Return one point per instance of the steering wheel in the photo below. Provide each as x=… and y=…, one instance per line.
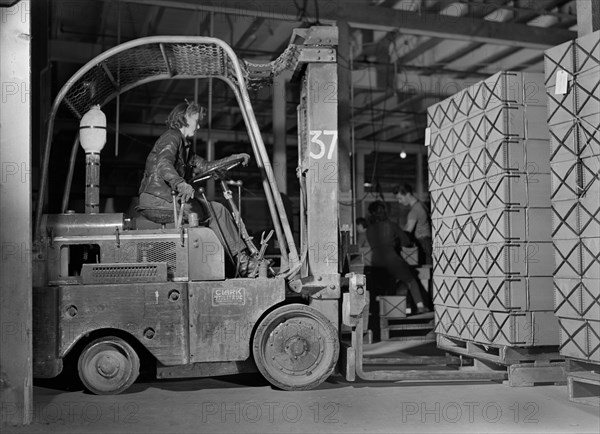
x=221, y=167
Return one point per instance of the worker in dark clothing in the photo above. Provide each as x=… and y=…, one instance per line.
x=383, y=236
x=417, y=223
x=169, y=167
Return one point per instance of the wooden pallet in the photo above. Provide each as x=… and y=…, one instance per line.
x=583, y=382
x=410, y=328
x=527, y=366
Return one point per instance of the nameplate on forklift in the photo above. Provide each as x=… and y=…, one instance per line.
x=228, y=296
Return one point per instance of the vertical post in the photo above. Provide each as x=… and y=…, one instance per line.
x=588, y=17
x=210, y=144
x=360, y=181
x=210, y=156
x=92, y=183
x=346, y=212
x=279, y=132
x=320, y=157
x=15, y=215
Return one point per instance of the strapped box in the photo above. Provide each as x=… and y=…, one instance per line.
x=573, y=218
x=577, y=298
x=519, y=260
x=499, y=328
x=454, y=291
x=580, y=338
x=511, y=189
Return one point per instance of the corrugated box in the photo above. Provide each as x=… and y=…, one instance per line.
x=567, y=259
x=522, y=259
x=517, y=155
x=500, y=328
x=580, y=338
x=564, y=180
x=566, y=223
x=587, y=52
x=509, y=87
x=451, y=261
x=567, y=297
x=452, y=230
x=577, y=258
x=560, y=108
x=577, y=298
x=590, y=257
x=479, y=195
x=518, y=190
x=392, y=306
x=586, y=89
x=589, y=216
x=516, y=293
x=573, y=219
x=454, y=291
x=556, y=59
x=516, y=224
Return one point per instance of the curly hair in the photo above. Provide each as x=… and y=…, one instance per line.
x=403, y=190
x=176, y=118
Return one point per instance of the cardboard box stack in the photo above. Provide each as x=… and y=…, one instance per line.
x=491, y=216
x=573, y=90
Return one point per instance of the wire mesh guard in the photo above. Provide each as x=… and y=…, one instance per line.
x=163, y=60
x=159, y=251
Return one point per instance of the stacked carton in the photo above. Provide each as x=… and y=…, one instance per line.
x=491, y=216
x=573, y=90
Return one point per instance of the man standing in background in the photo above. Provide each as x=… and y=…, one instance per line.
x=417, y=222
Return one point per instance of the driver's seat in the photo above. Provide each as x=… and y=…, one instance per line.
x=161, y=216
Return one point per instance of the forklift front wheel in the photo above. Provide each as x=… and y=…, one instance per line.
x=108, y=366
x=296, y=347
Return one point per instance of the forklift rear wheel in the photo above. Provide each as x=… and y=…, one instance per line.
x=296, y=347
x=108, y=366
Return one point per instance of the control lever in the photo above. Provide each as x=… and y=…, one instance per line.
x=174, y=196
x=264, y=242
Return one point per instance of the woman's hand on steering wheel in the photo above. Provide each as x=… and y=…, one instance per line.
x=245, y=156
x=220, y=167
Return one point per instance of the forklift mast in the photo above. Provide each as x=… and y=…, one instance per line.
x=318, y=169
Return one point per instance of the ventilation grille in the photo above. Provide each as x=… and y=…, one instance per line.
x=124, y=273
x=160, y=251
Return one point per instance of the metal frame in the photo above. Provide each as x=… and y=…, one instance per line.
x=274, y=200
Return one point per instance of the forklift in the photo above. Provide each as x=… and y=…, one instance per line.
x=111, y=292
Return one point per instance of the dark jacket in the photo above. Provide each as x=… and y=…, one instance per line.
x=169, y=163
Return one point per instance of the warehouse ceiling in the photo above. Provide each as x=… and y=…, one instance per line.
x=402, y=56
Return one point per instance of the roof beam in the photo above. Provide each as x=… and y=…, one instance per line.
x=361, y=15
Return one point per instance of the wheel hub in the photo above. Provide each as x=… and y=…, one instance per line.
x=296, y=347
x=108, y=366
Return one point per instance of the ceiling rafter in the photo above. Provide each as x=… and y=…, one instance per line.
x=359, y=15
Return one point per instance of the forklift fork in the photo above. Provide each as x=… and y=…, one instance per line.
x=353, y=312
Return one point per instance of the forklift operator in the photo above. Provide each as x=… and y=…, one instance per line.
x=171, y=163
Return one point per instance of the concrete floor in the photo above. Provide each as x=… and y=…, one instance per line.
x=247, y=403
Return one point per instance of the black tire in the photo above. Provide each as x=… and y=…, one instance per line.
x=108, y=366
x=296, y=347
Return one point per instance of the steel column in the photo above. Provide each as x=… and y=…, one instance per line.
x=15, y=215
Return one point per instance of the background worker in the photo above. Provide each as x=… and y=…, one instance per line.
x=388, y=270
x=418, y=224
